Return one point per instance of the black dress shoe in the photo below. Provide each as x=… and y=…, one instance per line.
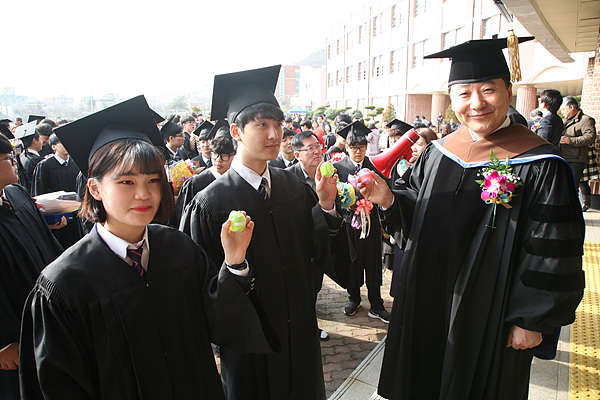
x=351, y=308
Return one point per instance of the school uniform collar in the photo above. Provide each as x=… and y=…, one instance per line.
x=250, y=176
x=60, y=160
x=120, y=246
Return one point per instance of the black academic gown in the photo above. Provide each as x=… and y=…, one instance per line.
x=279, y=162
x=332, y=150
x=50, y=176
x=368, y=250
x=188, y=190
x=184, y=151
x=28, y=161
x=463, y=284
x=94, y=329
x=27, y=246
x=291, y=232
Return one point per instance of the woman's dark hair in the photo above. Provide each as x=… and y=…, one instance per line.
x=5, y=146
x=223, y=145
x=258, y=111
x=123, y=157
x=446, y=129
x=426, y=134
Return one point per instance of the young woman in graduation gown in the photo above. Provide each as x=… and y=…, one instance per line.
x=98, y=325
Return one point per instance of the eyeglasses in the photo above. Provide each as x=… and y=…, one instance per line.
x=11, y=157
x=358, y=148
x=313, y=149
x=224, y=157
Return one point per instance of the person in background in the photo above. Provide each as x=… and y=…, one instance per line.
x=222, y=151
x=30, y=156
x=286, y=152
x=373, y=140
x=189, y=149
x=551, y=125
x=535, y=116
x=45, y=131
x=172, y=134
x=579, y=133
x=53, y=174
x=27, y=246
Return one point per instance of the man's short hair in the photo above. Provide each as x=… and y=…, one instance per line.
x=44, y=129
x=257, y=111
x=307, y=123
x=571, y=101
x=223, y=145
x=354, y=140
x=49, y=122
x=288, y=132
x=298, y=139
x=552, y=99
x=28, y=140
x=62, y=121
x=187, y=118
x=288, y=120
x=536, y=113
x=18, y=119
x=343, y=118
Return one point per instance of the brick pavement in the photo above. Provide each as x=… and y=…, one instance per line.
x=351, y=339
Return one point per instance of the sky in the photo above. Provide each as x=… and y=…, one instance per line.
x=157, y=48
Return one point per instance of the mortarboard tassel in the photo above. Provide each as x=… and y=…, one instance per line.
x=512, y=43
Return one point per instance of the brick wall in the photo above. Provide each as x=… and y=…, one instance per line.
x=590, y=101
x=418, y=104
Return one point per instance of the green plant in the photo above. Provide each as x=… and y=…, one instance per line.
x=357, y=114
x=390, y=113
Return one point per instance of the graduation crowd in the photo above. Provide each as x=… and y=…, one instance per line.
x=482, y=228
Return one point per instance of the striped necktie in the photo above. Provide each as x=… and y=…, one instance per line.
x=262, y=189
x=136, y=258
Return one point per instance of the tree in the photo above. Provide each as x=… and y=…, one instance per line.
x=379, y=110
x=178, y=104
x=196, y=110
x=331, y=114
x=390, y=113
x=450, y=115
x=357, y=114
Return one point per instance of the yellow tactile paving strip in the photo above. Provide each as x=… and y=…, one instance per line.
x=584, y=369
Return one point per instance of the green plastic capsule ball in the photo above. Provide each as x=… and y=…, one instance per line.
x=238, y=221
x=327, y=169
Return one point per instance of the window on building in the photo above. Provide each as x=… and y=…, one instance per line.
x=347, y=40
x=397, y=15
x=329, y=80
x=394, y=17
x=377, y=67
x=377, y=25
x=338, y=49
x=340, y=77
x=492, y=26
x=420, y=7
x=362, y=70
x=452, y=38
x=329, y=52
x=360, y=34
x=418, y=53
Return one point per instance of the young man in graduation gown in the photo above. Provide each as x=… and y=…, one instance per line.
x=26, y=247
x=30, y=156
x=103, y=324
x=480, y=282
x=367, y=266
x=204, y=134
x=55, y=173
x=173, y=136
x=294, y=229
x=286, y=155
x=189, y=149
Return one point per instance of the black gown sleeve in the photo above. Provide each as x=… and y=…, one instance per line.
x=548, y=281
x=52, y=352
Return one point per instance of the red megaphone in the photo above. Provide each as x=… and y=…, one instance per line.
x=385, y=161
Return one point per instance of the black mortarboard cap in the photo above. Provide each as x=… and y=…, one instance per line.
x=129, y=119
x=157, y=117
x=36, y=118
x=5, y=121
x=400, y=125
x=221, y=128
x=25, y=130
x=5, y=130
x=477, y=60
x=204, y=130
x=170, y=129
x=233, y=92
x=355, y=129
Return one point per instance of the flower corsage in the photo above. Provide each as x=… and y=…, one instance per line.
x=359, y=208
x=498, y=183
